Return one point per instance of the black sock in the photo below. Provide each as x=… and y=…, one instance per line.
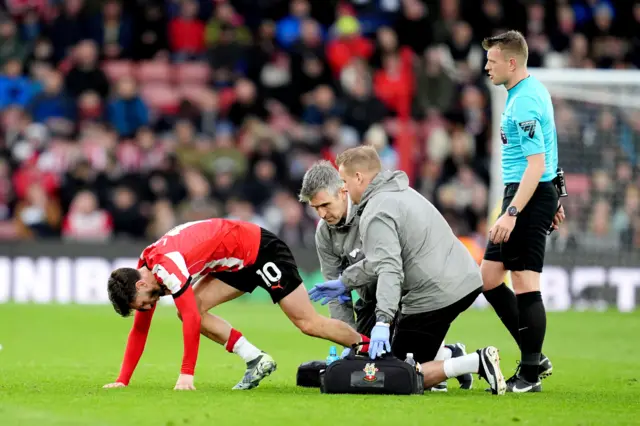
x=533, y=325
x=505, y=304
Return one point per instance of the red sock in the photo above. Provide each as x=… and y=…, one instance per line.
x=234, y=336
x=364, y=348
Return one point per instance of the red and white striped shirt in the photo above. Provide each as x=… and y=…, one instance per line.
x=186, y=253
x=95, y=226
x=195, y=249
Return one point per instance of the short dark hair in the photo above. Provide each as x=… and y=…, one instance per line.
x=122, y=289
x=512, y=41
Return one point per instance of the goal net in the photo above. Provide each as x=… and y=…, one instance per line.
x=597, y=115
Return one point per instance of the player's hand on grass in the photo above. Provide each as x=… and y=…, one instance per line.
x=185, y=382
x=327, y=291
x=114, y=385
x=502, y=229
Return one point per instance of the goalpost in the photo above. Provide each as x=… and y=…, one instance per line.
x=581, y=99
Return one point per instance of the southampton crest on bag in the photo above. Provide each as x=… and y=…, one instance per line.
x=370, y=372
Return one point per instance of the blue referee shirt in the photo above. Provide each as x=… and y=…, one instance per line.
x=528, y=127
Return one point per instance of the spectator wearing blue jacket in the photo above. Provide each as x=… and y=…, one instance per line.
x=53, y=102
x=14, y=88
x=288, y=29
x=127, y=112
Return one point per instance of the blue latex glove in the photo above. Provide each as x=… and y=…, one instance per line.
x=345, y=352
x=379, y=340
x=328, y=290
x=344, y=298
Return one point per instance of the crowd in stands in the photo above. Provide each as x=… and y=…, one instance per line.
x=121, y=119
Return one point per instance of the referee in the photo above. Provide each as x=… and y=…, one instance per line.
x=529, y=206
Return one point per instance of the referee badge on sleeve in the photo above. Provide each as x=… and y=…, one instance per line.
x=528, y=126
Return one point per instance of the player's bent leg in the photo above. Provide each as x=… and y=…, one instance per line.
x=484, y=362
x=298, y=308
x=211, y=292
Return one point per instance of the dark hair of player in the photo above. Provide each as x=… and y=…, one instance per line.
x=122, y=289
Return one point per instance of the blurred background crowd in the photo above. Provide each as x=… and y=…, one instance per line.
x=121, y=119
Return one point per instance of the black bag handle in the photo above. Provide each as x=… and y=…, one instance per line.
x=355, y=346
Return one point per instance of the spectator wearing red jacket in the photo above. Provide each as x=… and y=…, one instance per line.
x=393, y=85
x=186, y=33
x=348, y=45
x=29, y=173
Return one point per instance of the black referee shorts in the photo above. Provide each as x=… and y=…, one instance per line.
x=526, y=246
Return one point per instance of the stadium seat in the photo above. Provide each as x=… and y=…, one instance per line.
x=153, y=72
x=577, y=184
x=192, y=73
x=160, y=97
x=192, y=92
x=115, y=70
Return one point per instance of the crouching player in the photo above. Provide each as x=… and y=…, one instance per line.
x=224, y=259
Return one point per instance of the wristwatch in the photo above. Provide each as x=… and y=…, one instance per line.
x=513, y=211
x=382, y=318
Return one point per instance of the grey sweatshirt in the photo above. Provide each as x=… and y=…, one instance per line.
x=338, y=247
x=409, y=246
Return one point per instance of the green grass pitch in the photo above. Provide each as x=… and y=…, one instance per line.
x=55, y=360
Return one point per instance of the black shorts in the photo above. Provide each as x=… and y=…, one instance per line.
x=527, y=243
x=275, y=270
x=423, y=334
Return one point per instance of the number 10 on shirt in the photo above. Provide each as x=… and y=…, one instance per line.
x=269, y=273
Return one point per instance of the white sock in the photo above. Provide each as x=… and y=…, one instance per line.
x=455, y=367
x=443, y=354
x=245, y=350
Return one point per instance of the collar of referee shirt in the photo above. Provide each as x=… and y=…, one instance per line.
x=516, y=85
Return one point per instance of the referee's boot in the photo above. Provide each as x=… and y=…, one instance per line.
x=458, y=350
x=518, y=384
x=546, y=368
x=544, y=371
x=257, y=369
